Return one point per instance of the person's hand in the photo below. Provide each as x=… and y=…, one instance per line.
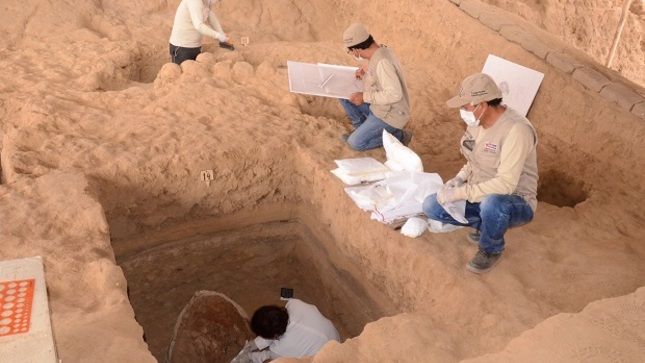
x=454, y=182
x=360, y=72
x=356, y=98
x=244, y=356
x=447, y=195
x=223, y=38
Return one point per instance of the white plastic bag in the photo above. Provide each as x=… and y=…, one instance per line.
x=414, y=227
x=400, y=157
x=457, y=210
x=440, y=227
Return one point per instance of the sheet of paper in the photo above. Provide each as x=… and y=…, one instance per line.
x=457, y=210
x=368, y=197
x=321, y=79
x=519, y=84
x=409, y=190
x=403, y=212
x=358, y=179
x=361, y=166
x=363, y=203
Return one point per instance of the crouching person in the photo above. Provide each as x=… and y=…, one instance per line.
x=295, y=331
x=499, y=179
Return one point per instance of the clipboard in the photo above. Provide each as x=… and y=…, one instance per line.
x=320, y=79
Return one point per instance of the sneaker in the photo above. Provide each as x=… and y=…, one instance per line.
x=344, y=137
x=474, y=237
x=483, y=261
x=407, y=137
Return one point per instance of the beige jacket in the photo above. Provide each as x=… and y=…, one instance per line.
x=501, y=160
x=386, y=90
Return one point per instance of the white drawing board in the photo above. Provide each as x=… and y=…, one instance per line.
x=321, y=79
x=519, y=84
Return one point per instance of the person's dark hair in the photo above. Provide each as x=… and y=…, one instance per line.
x=494, y=103
x=270, y=321
x=363, y=45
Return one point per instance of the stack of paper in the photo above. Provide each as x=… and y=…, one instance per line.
x=408, y=190
x=359, y=170
x=369, y=197
x=397, y=197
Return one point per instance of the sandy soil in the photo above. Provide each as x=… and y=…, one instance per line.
x=103, y=142
x=591, y=26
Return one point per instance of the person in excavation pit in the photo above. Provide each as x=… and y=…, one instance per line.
x=385, y=103
x=295, y=331
x=499, y=180
x=190, y=26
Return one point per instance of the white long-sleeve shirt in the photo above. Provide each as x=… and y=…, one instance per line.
x=191, y=24
x=308, y=330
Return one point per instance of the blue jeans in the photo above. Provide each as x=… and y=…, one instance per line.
x=492, y=217
x=368, y=133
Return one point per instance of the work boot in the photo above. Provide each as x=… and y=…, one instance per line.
x=407, y=137
x=483, y=261
x=474, y=237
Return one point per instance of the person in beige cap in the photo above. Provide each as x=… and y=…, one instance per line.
x=499, y=180
x=385, y=104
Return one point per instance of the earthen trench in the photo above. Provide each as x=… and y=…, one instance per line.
x=250, y=264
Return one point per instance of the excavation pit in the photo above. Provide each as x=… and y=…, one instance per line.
x=562, y=190
x=249, y=265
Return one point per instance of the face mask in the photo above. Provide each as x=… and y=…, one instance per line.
x=469, y=117
x=357, y=57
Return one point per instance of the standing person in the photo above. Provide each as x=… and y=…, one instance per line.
x=499, y=180
x=385, y=103
x=189, y=27
x=295, y=331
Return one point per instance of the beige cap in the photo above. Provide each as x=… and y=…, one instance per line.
x=474, y=89
x=355, y=34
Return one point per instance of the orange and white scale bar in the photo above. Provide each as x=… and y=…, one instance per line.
x=25, y=323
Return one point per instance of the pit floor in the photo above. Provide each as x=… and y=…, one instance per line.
x=249, y=266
